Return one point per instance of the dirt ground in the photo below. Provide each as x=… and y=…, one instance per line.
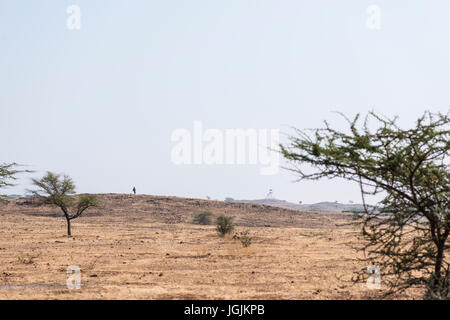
x=129, y=249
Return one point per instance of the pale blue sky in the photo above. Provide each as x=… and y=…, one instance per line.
x=100, y=103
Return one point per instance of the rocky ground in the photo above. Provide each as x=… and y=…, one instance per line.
x=146, y=247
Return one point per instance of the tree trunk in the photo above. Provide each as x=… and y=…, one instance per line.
x=68, y=228
x=439, y=260
x=435, y=286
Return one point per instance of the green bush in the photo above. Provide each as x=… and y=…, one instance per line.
x=224, y=225
x=204, y=218
x=438, y=289
x=244, y=237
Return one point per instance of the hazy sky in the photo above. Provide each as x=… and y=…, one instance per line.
x=101, y=103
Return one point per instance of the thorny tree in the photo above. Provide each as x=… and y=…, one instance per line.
x=407, y=232
x=8, y=173
x=59, y=191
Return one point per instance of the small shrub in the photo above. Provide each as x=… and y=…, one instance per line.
x=438, y=289
x=244, y=237
x=204, y=218
x=27, y=259
x=224, y=225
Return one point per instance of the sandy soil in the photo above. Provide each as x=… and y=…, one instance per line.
x=145, y=247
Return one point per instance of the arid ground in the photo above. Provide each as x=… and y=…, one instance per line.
x=146, y=247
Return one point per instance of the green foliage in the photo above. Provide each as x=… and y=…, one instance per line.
x=27, y=258
x=224, y=225
x=204, y=218
x=407, y=232
x=438, y=289
x=8, y=173
x=54, y=189
x=87, y=201
x=244, y=237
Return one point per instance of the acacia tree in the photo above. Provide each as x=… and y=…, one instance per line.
x=8, y=173
x=54, y=189
x=407, y=232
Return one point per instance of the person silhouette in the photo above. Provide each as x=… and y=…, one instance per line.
x=134, y=190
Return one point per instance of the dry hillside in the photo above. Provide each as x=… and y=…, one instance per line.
x=146, y=247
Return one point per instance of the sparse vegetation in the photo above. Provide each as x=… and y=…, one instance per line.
x=134, y=236
x=244, y=237
x=27, y=258
x=312, y=234
x=203, y=218
x=224, y=225
x=58, y=191
x=8, y=173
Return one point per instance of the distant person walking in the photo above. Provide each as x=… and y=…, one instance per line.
x=134, y=190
